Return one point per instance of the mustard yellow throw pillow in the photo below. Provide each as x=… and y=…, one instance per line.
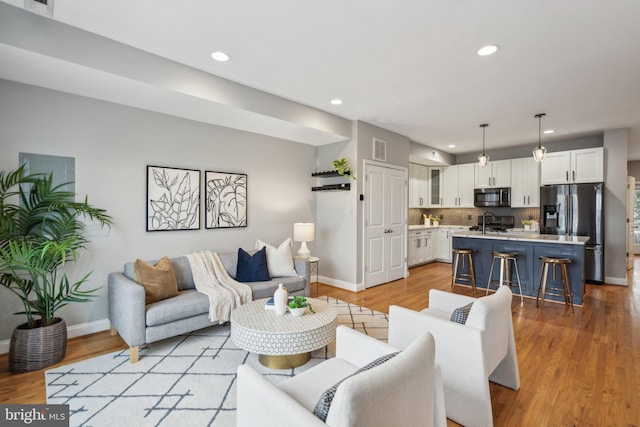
x=159, y=281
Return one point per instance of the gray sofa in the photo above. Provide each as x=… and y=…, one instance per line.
x=138, y=323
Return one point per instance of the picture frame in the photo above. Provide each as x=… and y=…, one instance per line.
x=225, y=200
x=173, y=199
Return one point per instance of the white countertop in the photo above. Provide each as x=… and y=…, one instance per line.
x=428, y=227
x=524, y=237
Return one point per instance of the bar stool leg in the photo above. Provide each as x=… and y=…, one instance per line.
x=455, y=270
x=565, y=285
x=543, y=275
x=473, y=274
x=490, y=274
x=503, y=264
x=515, y=264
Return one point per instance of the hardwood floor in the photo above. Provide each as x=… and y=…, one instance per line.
x=580, y=369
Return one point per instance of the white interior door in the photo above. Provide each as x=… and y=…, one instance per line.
x=631, y=186
x=384, y=224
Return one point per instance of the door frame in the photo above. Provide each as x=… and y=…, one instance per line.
x=405, y=206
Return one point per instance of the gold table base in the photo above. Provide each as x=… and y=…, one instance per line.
x=284, y=362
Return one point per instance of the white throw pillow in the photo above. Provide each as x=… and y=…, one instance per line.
x=279, y=260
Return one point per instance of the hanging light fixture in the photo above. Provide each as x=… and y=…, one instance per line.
x=540, y=151
x=483, y=158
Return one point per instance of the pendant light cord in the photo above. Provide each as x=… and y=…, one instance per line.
x=540, y=116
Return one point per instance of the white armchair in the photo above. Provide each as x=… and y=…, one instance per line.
x=471, y=354
x=404, y=391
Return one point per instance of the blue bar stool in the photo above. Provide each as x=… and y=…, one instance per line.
x=460, y=255
x=565, y=291
x=505, y=276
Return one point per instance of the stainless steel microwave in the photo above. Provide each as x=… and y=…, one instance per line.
x=492, y=197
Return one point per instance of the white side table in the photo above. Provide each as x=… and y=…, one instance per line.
x=313, y=263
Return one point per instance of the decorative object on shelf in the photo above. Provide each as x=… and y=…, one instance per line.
x=526, y=223
x=226, y=200
x=298, y=305
x=173, y=199
x=343, y=168
x=540, y=152
x=38, y=236
x=435, y=220
x=303, y=232
x=427, y=219
x=483, y=159
x=280, y=299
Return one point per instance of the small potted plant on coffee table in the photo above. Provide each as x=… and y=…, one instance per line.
x=298, y=305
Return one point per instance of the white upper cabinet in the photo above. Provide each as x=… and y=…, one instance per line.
x=418, y=185
x=435, y=186
x=525, y=183
x=495, y=174
x=458, y=186
x=576, y=166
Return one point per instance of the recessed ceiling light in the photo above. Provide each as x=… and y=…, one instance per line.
x=220, y=56
x=549, y=131
x=451, y=145
x=488, y=50
x=336, y=101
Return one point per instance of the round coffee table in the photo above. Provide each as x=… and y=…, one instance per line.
x=283, y=341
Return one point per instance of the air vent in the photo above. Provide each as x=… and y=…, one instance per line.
x=379, y=150
x=43, y=7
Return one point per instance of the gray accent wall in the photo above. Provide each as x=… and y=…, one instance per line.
x=112, y=146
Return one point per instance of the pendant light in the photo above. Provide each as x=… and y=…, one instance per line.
x=483, y=158
x=540, y=152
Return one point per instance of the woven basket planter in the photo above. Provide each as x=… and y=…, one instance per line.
x=36, y=348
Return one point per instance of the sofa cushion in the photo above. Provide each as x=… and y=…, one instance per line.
x=181, y=269
x=266, y=289
x=279, y=259
x=186, y=304
x=252, y=268
x=159, y=280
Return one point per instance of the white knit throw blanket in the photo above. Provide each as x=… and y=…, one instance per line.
x=211, y=278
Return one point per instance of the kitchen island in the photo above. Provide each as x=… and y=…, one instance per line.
x=529, y=247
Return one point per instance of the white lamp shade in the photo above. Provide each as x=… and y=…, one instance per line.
x=303, y=231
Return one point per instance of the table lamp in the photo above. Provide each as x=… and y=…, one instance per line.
x=303, y=232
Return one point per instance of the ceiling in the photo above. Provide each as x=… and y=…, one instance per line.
x=409, y=66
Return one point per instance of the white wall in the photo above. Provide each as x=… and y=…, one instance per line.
x=615, y=206
x=113, y=145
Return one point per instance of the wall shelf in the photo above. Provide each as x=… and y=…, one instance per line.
x=327, y=174
x=328, y=187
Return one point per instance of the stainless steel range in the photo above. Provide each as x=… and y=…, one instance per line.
x=494, y=223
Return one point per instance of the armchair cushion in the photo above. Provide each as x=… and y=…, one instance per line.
x=324, y=403
x=252, y=268
x=461, y=314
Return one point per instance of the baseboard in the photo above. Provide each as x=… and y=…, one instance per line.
x=353, y=287
x=72, y=332
x=616, y=281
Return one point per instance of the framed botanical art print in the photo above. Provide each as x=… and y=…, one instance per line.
x=173, y=199
x=225, y=200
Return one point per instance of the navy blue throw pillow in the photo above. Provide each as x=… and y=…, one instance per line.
x=252, y=268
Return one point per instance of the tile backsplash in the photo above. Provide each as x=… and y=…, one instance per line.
x=469, y=216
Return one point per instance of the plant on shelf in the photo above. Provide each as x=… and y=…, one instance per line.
x=342, y=167
x=41, y=231
x=526, y=222
x=300, y=302
x=435, y=219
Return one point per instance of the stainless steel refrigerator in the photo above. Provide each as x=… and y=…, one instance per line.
x=576, y=210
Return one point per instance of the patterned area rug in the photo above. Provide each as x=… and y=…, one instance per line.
x=186, y=380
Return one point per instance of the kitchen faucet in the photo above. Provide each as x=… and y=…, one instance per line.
x=484, y=215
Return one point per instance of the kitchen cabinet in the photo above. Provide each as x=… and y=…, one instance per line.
x=418, y=185
x=525, y=183
x=458, y=186
x=421, y=247
x=443, y=242
x=495, y=174
x=573, y=167
x=435, y=186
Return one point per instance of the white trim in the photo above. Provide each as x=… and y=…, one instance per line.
x=615, y=281
x=72, y=332
x=353, y=287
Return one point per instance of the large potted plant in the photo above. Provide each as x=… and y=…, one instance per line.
x=41, y=230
